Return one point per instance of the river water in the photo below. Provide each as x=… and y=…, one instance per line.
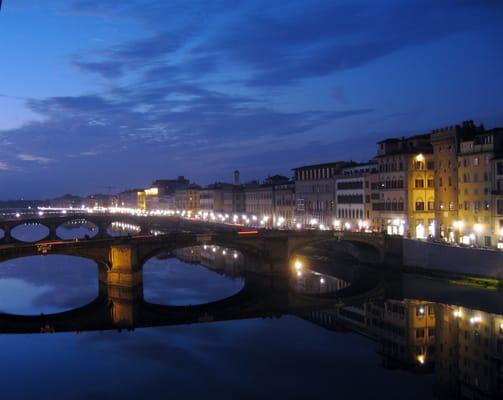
x=387, y=349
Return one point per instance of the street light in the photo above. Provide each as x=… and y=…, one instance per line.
x=478, y=228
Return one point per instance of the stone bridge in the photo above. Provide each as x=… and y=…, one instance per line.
x=120, y=260
x=383, y=248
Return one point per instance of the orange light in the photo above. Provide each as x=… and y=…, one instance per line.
x=254, y=232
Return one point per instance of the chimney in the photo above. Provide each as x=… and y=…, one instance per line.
x=236, y=178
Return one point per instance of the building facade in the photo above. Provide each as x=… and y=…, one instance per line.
x=188, y=199
x=315, y=193
x=479, y=182
x=446, y=146
x=272, y=203
x=403, y=193
x=353, y=202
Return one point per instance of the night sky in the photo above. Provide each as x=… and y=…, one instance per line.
x=106, y=92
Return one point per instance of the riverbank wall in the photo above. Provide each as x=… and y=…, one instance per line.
x=451, y=259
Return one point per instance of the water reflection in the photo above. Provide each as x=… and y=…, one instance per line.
x=189, y=278
x=30, y=232
x=117, y=229
x=462, y=348
x=46, y=284
x=312, y=282
x=387, y=347
x=77, y=230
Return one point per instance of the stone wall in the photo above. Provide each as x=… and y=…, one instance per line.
x=458, y=260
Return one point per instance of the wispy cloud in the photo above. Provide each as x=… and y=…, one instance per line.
x=34, y=158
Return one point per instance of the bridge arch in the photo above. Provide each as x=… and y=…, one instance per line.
x=247, y=253
x=360, y=246
x=93, y=227
x=16, y=233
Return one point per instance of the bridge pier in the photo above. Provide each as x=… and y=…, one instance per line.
x=102, y=231
x=272, y=259
x=124, y=269
x=7, y=235
x=53, y=232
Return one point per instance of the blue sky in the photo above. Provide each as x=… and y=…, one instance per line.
x=97, y=93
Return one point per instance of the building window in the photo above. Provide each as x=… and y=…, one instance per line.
x=499, y=206
x=451, y=206
x=420, y=333
x=431, y=206
x=476, y=161
x=450, y=181
x=420, y=183
x=431, y=182
x=420, y=205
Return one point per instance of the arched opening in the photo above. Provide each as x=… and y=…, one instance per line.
x=123, y=228
x=77, y=229
x=46, y=284
x=192, y=275
x=30, y=232
x=341, y=269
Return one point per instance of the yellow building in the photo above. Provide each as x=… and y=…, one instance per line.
x=406, y=331
x=476, y=223
x=468, y=354
x=403, y=194
x=147, y=198
x=421, y=195
x=446, y=147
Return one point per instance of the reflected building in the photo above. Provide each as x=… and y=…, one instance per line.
x=469, y=354
x=309, y=282
x=406, y=331
x=222, y=260
x=190, y=255
x=219, y=259
x=463, y=348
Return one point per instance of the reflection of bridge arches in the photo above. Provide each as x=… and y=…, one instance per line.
x=93, y=229
x=125, y=308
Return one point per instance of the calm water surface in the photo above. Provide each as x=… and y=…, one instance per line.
x=287, y=357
